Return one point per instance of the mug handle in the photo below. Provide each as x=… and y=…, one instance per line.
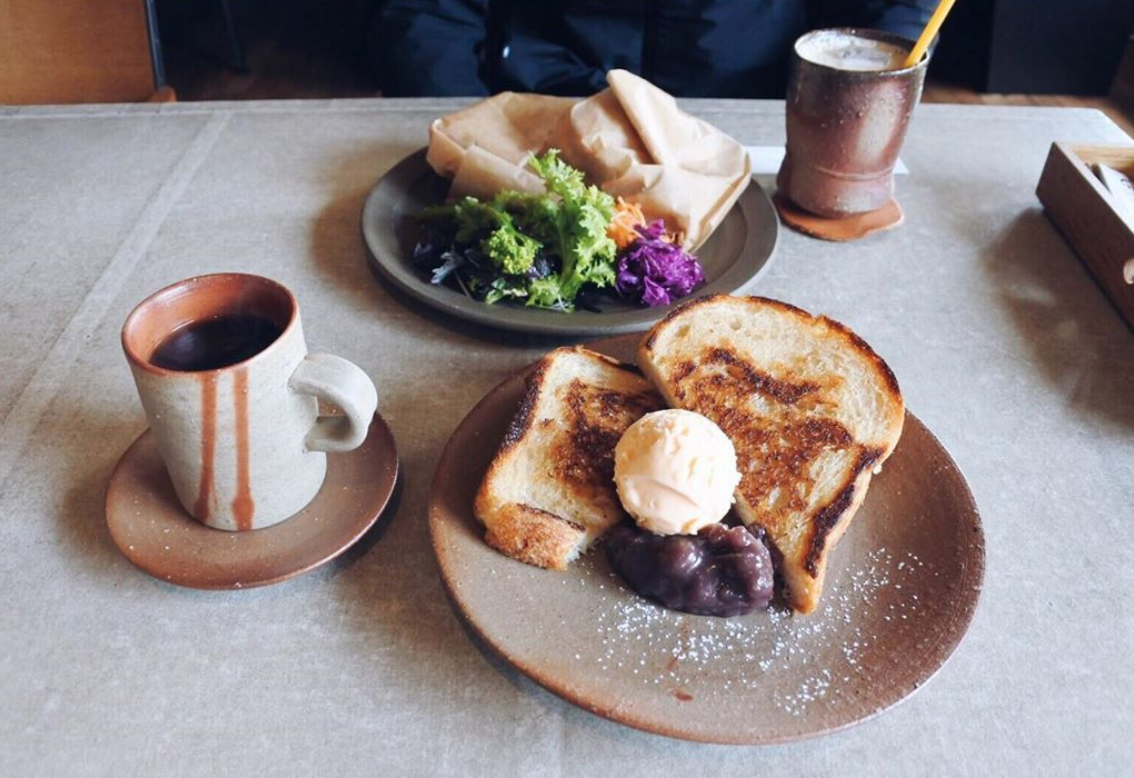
x=340, y=383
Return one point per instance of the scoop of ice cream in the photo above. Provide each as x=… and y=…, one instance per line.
x=675, y=472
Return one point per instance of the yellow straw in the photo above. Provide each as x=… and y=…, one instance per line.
x=929, y=32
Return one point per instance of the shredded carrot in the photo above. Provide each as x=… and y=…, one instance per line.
x=627, y=216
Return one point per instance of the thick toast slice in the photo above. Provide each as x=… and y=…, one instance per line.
x=810, y=408
x=550, y=492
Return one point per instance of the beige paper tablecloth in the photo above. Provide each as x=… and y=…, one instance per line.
x=1002, y=343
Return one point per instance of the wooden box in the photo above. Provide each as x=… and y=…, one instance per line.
x=1086, y=213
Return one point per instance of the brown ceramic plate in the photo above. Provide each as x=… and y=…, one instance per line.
x=736, y=254
x=155, y=533
x=902, y=586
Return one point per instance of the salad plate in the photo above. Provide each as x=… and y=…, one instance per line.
x=733, y=258
x=901, y=590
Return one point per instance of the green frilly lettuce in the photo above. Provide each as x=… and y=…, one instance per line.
x=567, y=225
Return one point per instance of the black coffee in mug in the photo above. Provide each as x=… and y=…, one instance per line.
x=211, y=344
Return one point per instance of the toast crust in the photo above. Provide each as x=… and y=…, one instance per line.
x=793, y=423
x=522, y=421
x=534, y=536
x=833, y=512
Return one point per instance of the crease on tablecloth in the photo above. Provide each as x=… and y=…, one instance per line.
x=28, y=410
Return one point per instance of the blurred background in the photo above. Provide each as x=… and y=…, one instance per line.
x=1015, y=52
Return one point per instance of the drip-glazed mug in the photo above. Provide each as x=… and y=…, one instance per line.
x=232, y=398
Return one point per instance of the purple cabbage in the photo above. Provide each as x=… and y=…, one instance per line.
x=654, y=271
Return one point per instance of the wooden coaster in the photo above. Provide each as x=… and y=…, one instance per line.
x=841, y=230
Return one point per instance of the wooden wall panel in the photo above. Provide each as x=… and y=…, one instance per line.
x=74, y=51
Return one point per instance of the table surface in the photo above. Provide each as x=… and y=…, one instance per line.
x=1003, y=344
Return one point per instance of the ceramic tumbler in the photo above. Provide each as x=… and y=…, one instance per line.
x=845, y=127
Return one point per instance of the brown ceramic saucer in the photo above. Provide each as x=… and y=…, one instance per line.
x=842, y=230
x=156, y=534
x=902, y=587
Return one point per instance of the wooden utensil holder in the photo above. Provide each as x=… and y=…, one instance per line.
x=1088, y=216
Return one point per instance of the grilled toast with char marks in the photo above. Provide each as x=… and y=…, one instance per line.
x=549, y=491
x=810, y=408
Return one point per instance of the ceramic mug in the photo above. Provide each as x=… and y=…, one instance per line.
x=845, y=126
x=243, y=442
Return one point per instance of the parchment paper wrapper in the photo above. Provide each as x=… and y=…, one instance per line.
x=631, y=140
x=482, y=174
x=484, y=147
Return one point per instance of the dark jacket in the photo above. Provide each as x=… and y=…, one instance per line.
x=691, y=48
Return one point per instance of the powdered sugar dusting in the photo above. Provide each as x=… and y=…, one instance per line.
x=823, y=654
